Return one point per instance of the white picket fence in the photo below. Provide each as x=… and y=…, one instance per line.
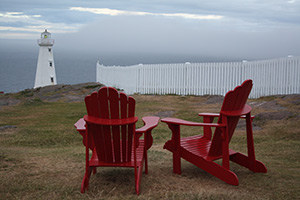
x=270, y=77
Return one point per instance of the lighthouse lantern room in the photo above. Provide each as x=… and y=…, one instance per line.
x=45, y=70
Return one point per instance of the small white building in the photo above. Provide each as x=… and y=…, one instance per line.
x=45, y=70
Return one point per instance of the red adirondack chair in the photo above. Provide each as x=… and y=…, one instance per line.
x=202, y=150
x=109, y=131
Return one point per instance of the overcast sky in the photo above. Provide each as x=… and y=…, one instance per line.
x=234, y=28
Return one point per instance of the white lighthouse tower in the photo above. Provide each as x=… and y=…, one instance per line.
x=45, y=70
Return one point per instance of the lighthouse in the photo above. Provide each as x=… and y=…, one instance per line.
x=45, y=70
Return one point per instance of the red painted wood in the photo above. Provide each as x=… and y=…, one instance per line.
x=246, y=109
x=109, y=130
x=148, y=124
x=131, y=106
x=91, y=105
x=203, y=150
x=103, y=103
x=110, y=122
x=131, y=111
x=207, y=130
x=209, y=114
x=218, y=115
x=114, y=108
x=234, y=100
x=124, y=114
x=188, y=123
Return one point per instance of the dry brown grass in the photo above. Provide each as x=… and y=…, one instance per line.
x=43, y=158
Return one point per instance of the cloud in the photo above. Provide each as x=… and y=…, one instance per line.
x=148, y=35
x=20, y=25
x=114, y=12
x=11, y=17
x=174, y=26
x=14, y=35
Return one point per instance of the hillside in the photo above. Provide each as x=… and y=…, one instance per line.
x=65, y=93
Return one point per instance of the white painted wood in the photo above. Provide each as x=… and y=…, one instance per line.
x=270, y=77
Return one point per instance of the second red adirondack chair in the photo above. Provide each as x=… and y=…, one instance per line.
x=202, y=151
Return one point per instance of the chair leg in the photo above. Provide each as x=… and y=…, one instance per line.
x=220, y=172
x=86, y=178
x=211, y=167
x=138, y=179
x=225, y=175
x=175, y=148
x=249, y=161
x=176, y=162
x=84, y=184
x=176, y=156
x=243, y=160
x=146, y=162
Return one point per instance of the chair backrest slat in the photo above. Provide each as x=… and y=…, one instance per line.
x=114, y=110
x=92, y=105
x=113, y=143
x=234, y=100
x=131, y=107
x=124, y=103
x=103, y=103
x=124, y=114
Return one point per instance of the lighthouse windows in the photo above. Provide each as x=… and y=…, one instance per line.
x=49, y=49
x=52, y=79
x=50, y=64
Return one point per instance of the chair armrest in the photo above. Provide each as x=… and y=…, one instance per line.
x=80, y=125
x=149, y=124
x=244, y=117
x=209, y=114
x=245, y=110
x=218, y=115
x=110, y=122
x=176, y=121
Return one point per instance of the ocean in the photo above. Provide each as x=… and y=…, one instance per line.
x=18, y=60
x=18, y=67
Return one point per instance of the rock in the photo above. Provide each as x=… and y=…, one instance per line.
x=164, y=114
x=8, y=101
x=7, y=127
x=66, y=93
x=268, y=105
x=242, y=125
x=215, y=99
x=274, y=115
x=293, y=99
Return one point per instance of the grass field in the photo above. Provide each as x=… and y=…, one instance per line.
x=42, y=156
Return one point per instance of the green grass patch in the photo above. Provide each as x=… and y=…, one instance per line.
x=44, y=158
